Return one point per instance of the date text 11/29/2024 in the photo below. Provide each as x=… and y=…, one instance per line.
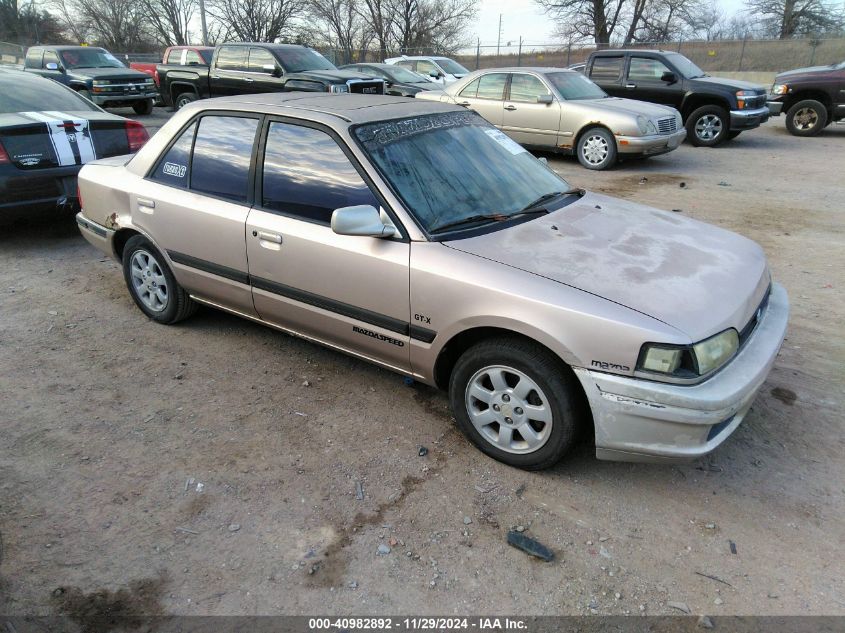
x=417, y=624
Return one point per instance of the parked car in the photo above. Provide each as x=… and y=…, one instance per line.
x=247, y=68
x=47, y=132
x=812, y=97
x=441, y=70
x=179, y=56
x=95, y=74
x=417, y=236
x=398, y=81
x=714, y=109
x=561, y=110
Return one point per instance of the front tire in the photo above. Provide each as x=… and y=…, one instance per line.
x=515, y=401
x=596, y=149
x=708, y=126
x=152, y=284
x=143, y=107
x=806, y=118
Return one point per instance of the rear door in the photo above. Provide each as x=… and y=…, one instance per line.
x=196, y=201
x=227, y=76
x=527, y=121
x=486, y=96
x=607, y=72
x=348, y=291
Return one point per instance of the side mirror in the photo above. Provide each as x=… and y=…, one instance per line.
x=547, y=99
x=270, y=69
x=51, y=66
x=434, y=74
x=362, y=219
x=669, y=77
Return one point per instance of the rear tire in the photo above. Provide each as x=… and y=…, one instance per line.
x=596, y=149
x=708, y=126
x=184, y=99
x=152, y=284
x=143, y=107
x=516, y=402
x=806, y=118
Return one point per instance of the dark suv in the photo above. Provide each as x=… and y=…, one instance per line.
x=94, y=73
x=812, y=98
x=714, y=109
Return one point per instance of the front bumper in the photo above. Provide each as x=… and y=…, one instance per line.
x=650, y=145
x=775, y=107
x=642, y=420
x=748, y=119
x=103, y=99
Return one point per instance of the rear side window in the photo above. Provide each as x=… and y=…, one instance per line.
x=606, y=68
x=307, y=175
x=408, y=65
x=222, y=155
x=232, y=58
x=173, y=167
x=33, y=58
x=492, y=86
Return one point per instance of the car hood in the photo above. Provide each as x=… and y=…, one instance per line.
x=336, y=76
x=109, y=73
x=695, y=277
x=625, y=106
x=735, y=84
x=811, y=70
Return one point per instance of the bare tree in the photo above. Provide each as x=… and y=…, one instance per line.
x=256, y=20
x=667, y=20
x=599, y=20
x=788, y=18
x=433, y=25
x=119, y=25
x=340, y=24
x=169, y=20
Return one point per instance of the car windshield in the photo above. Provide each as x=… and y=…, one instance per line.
x=296, y=60
x=685, y=66
x=451, y=167
x=35, y=95
x=90, y=58
x=451, y=66
x=574, y=86
x=403, y=75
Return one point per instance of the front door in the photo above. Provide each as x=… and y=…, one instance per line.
x=485, y=95
x=525, y=120
x=351, y=292
x=260, y=77
x=644, y=81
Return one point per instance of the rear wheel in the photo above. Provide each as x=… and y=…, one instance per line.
x=152, y=284
x=708, y=126
x=184, y=99
x=596, y=149
x=143, y=107
x=806, y=118
x=515, y=401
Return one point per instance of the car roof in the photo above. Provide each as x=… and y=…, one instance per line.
x=543, y=70
x=13, y=76
x=66, y=47
x=619, y=51
x=352, y=108
x=264, y=45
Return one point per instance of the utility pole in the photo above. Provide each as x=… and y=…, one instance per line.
x=204, y=27
x=499, y=38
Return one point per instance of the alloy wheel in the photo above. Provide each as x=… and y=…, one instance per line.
x=708, y=127
x=148, y=281
x=806, y=119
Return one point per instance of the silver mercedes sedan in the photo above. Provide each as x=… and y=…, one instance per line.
x=561, y=110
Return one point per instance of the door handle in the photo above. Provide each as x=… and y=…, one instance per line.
x=510, y=108
x=144, y=202
x=268, y=237
x=215, y=76
x=464, y=103
x=630, y=85
x=248, y=79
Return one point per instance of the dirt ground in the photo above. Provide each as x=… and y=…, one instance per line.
x=211, y=467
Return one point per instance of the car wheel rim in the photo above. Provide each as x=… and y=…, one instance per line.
x=595, y=149
x=148, y=281
x=806, y=119
x=183, y=102
x=708, y=127
x=508, y=409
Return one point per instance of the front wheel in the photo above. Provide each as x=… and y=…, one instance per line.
x=515, y=401
x=143, y=107
x=152, y=284
x=806, y=118
x=708, y=126
x=596, y=149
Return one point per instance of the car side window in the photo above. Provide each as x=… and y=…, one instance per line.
x=606, y=68
x=527, y=88
x=307, y=175
x=259, y=58
x=172, y=168
x=646, y=69
x=406, y=64
x=492, y=86
x=232, y=58
x=193, y=58
x=222, y=155
x=50, y=57
x=471, y=90
x=425, y=67
x=33, y=58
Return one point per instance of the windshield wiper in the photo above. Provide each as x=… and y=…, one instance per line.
x=480, y=217
x=538, y=204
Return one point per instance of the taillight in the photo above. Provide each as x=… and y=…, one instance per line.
x=4, y=157
x=79, y=197
x=136, y=136
x=155, y=76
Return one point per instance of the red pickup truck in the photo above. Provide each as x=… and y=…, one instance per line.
x=179, y=55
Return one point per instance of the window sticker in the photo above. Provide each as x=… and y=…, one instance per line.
x=502, y=139
x=173, y=169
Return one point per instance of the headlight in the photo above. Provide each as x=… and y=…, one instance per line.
x=100, y=82
x=338, y=88
x=148, y=80
x=742, y=97
x=689, y=361
x=646, y=126
x=780, y=89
